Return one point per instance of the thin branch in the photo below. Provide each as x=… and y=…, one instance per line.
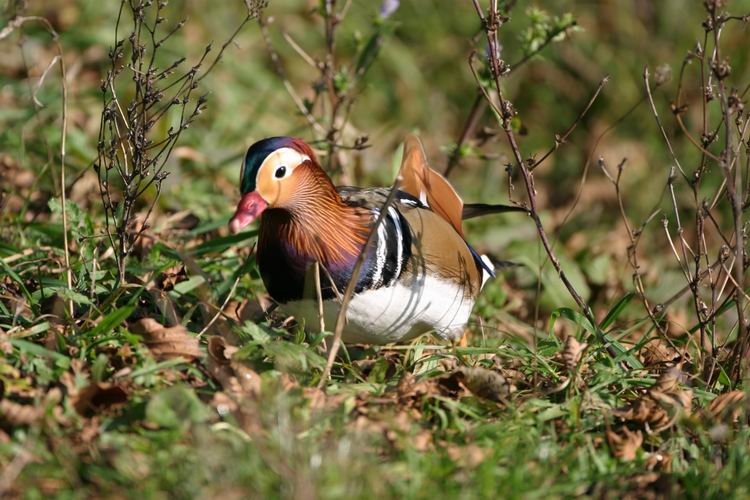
x=658, y=122
x=480, y=105
x=491, y=24
x=561, y=139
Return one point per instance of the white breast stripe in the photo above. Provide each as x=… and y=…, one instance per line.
x=382, y=250
x=393, y=214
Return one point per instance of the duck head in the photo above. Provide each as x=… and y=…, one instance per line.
x=273, y=171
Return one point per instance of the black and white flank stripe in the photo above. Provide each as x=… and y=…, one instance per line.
x=392, y=250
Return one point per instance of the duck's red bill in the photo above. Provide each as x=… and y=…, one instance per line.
x=249, y=208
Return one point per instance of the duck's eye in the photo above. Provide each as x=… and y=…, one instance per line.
x=280, y=172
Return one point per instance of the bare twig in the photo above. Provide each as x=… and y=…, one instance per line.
x=560, y=139
x=733, y=177
x=480, y=104
x=126, y=148
x=223, y=306
x=504, y=110
x=647, y=84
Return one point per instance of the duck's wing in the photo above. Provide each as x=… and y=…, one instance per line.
x=415, y=237
x=429, y=187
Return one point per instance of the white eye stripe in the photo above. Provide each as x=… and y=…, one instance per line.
x=284, y=157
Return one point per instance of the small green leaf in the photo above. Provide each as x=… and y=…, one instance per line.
x=616, y=310
x=111, y=320
x=37, y=350
x=219, y=245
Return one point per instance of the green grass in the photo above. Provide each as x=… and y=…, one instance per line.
x=91, y=408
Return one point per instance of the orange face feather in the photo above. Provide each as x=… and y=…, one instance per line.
x=301, y=205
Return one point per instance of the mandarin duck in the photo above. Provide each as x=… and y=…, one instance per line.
x=418, y=275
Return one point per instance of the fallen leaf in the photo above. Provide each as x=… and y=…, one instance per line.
x=99, y=397
x=662, y=404
x=727, y=406
x=675, y=401
x=253, y=309
x=15, y=414
x=658, y=352
x=406, y=384
x=484, y=383
x=625, y=445
x=669, y=380
x=572, y=352
x=659, y=461
x=167, y=342
x=169, y=278
x=237, y=379
x=658, y=410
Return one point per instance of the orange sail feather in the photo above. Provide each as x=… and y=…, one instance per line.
x=431, y=188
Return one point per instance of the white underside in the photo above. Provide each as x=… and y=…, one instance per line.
x=394, y=314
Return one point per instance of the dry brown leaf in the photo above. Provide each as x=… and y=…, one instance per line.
x=238, y=380
x=658, y=410
x=486, y=384
x=410, y=391
x=99, y=397
x=14, y=414
x=625, y=445
x=572, y=352
x=644, y=411
x=677, y=401
x=405, y=384
x=253, y=309
x=658, y=352
x=659, y=461
x=167, y=342
x=727, y=407
x=664, y=402
x=669, y=380
x=169, y=278
x=241, y=385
